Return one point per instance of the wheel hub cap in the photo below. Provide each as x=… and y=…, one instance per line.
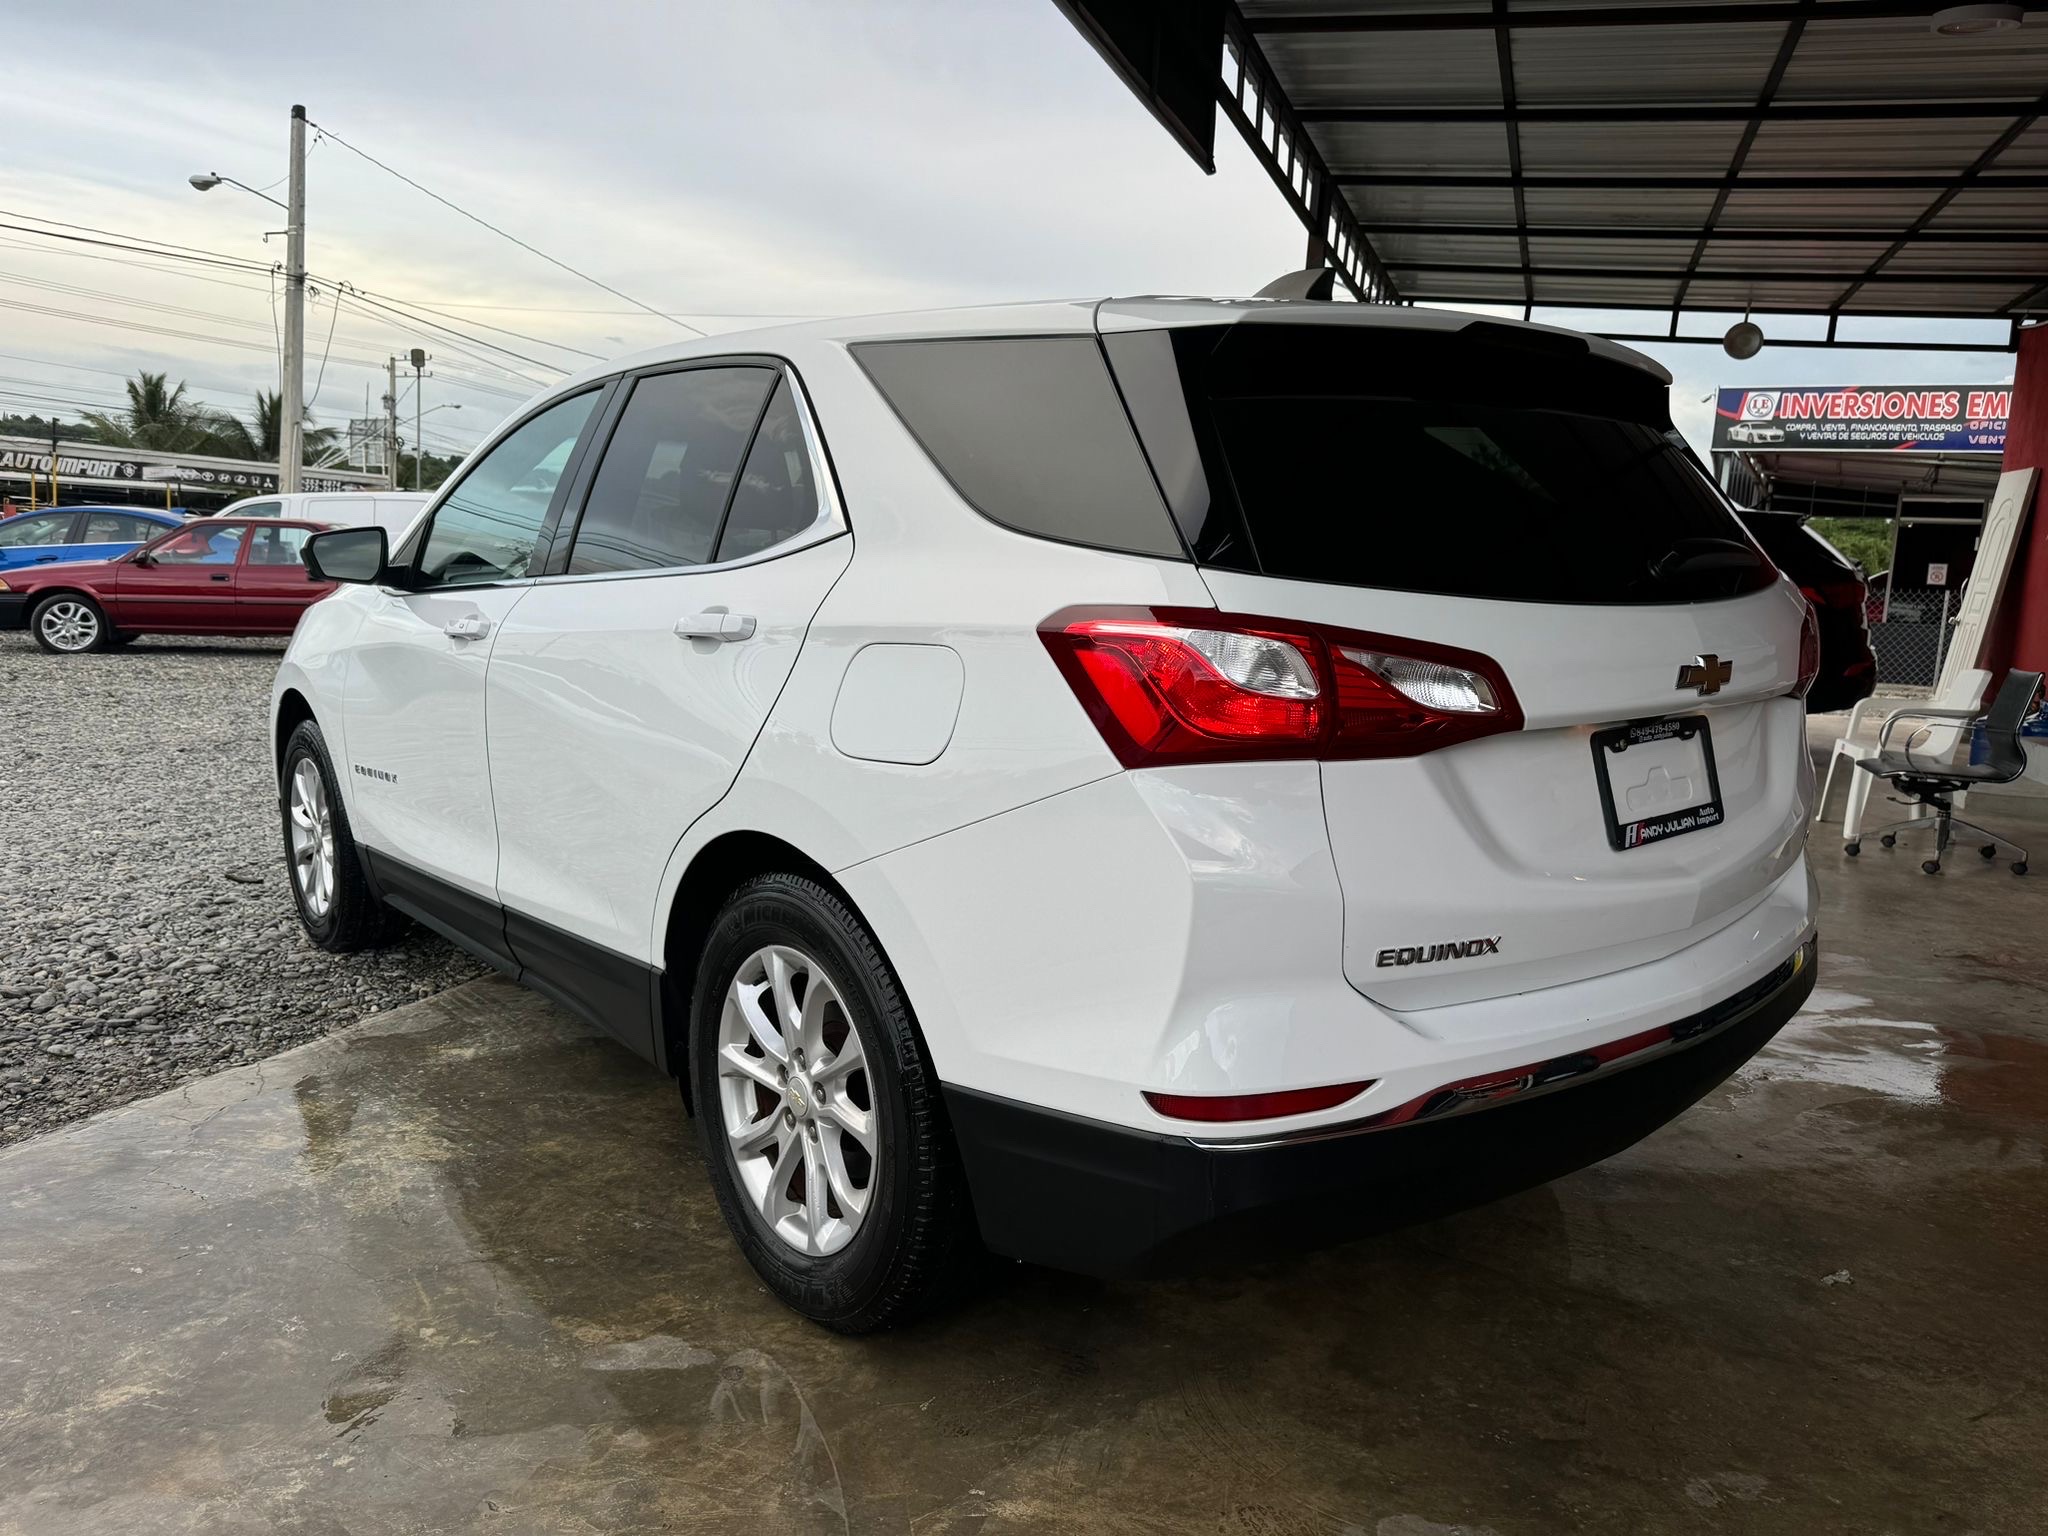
x=312, y=839
x=797, y=1107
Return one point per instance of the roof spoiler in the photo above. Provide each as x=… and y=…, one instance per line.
x=1317, y=283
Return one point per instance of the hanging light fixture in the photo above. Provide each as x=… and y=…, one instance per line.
x=1975, y=20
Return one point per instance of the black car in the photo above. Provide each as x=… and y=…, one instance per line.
x=1848, y=666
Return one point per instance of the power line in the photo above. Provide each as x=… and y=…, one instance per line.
x=128, y=261
x=560, y=346
x=356, y=298
x=494, y=229
x=198, y=252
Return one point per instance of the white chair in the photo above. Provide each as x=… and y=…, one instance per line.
x=1963, y=701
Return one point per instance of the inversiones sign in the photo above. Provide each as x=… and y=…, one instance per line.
x=1927, y=418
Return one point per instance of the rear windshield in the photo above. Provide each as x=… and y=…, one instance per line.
x=1483, y=463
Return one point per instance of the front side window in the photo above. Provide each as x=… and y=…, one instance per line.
x=215, y=545
x=20, y=531
x=278, y=546
x=668, y=471
x=485, y=528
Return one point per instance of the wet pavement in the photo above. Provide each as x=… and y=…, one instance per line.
x=457, y=1269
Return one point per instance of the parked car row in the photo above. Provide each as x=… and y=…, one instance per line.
x=215, y=576
x=59, y=535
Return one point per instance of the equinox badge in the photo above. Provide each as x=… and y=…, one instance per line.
x=1705, y=674
x=1428, y=954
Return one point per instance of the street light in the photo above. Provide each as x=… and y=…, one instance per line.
x=292, y=406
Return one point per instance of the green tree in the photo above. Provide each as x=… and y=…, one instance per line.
x=158, y=416
x=257, y=438
x=1866, y=540
x=436, y=470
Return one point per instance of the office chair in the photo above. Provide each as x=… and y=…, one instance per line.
x=1933, y=784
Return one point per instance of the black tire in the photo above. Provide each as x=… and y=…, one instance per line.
x=58, y=605
x=2019, y=866
x=916, y=1239
x=1989, y=850
x=1930, y=866
x=1852, y=849
x=1889, y=840
x=356, y=917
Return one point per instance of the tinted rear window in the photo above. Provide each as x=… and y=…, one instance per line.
x=1486, y=463
x=1031, y=433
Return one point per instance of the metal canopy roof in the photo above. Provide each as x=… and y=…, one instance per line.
x=1803, y=156
x=1931, y=474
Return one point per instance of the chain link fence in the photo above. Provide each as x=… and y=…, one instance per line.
x=1910, y=629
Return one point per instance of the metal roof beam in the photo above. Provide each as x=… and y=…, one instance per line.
x=1665, y=112
x=1684, y=274
x=1505, y=56
x=2031, y=181
x=1721, y=232
x=1760, y=13
x=1772, y=81
x=1971, y=177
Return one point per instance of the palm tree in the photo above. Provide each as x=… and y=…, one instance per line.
x=158, y=416
x=257, y=438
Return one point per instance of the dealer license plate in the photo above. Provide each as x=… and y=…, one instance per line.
x=1657, y=780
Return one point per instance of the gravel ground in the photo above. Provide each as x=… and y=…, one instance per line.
x=147, y=934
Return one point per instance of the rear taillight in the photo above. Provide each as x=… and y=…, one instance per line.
x=1182, y=685
x=1835, y=594
x=1809, y=653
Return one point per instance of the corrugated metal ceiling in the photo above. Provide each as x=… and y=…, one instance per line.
x=1892, y=169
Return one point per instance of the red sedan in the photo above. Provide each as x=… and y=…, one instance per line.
x=220, y=576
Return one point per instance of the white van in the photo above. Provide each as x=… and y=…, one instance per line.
x=393, y=511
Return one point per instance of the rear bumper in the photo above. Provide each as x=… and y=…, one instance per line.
x=13, y=610
x=1082, y=1195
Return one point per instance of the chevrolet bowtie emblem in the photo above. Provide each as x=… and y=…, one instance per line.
x=1705, y=674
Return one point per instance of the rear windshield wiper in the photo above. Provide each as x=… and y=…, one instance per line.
x=1702, y=557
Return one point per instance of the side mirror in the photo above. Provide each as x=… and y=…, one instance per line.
x=144, y=557
x=347, y=554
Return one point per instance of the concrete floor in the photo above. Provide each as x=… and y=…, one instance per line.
x=457, y=1270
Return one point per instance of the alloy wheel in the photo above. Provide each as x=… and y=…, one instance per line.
x=69, y=625
x=798, y=1106
x=312, y=838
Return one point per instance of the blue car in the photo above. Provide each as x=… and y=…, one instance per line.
x=78, y=533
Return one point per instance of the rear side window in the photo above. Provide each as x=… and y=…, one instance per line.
x=777, y=494
x=668, y=471
x=278, y=545
x=1500, y=465
x=1031, y=432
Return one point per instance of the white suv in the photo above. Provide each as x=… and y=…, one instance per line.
x=1116, y=784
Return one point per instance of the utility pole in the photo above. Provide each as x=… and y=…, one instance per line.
x=391, y=420
x=419, y=390
x=290, y=441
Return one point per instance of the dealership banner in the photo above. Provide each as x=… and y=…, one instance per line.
x=21, y=456
x=1884, y=418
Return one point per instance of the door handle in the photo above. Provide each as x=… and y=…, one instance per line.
x=218, y=576
x=716, y=626
x=44, y=560
x=472, y=626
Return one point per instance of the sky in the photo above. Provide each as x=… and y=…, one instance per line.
x=728, y=164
